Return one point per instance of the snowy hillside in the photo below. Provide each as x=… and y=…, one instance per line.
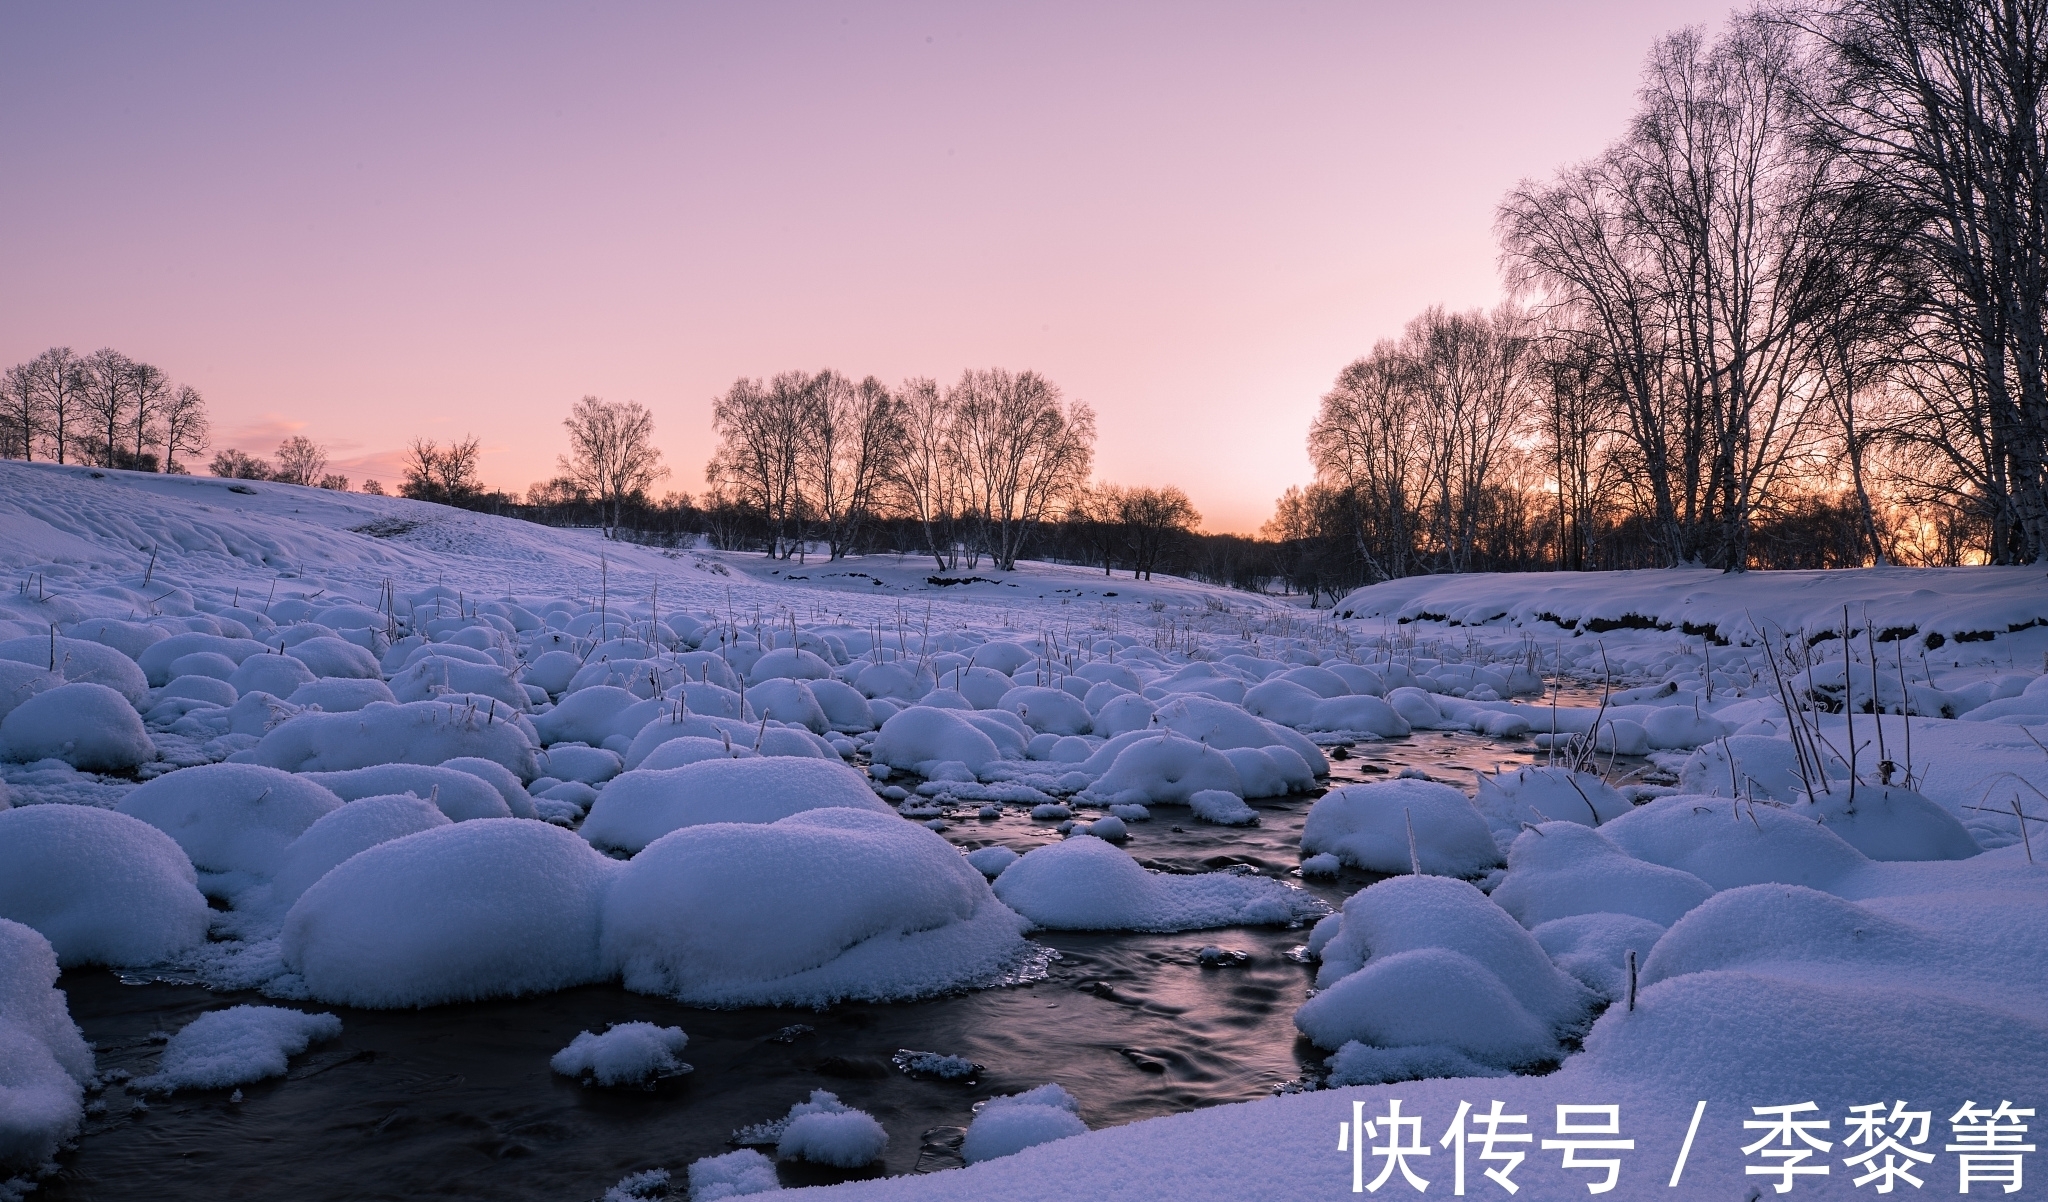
x=333, y=756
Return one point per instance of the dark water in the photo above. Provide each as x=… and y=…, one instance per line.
x=459, y=1102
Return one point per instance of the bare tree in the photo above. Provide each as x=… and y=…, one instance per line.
x=150, y=393
x=1020, y=453
x=1942, y=106
x=611, y=452
x=300, y=460
x=1153, y=518
x=760, y=455
x=926, y=477
x=445, y=474
x=58, y=377
x=855, y=438
x=185, y=426
x=334, y=482
x=109, y=395
x=23, y=416
x=234, y=465
x=1365, y=441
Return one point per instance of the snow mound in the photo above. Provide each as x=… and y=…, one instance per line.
x=641, y=806
x=88, y=726
x=1419, y=961
x=732, y=1175
x=80, y=660
x=460, y=795
x=339, y=834
x=44, y=1061
x=1891, y=822
x=233, y=820
x=1085, y=884
x=624, y=1054
x=1561, y=869
x=1535, y=795
x=102, y=887
x=1009, y=1123
x=1367, y=826
x=826, y=1130
x=1362, y=1064
x=1218, y=806
x=1728, y=843
x=990, y=861
x=924, y=735
x=820, y=906
x=419, y=732
x=1164, y=768
x=236, y=1046
x=492, y=908
x=1594, y=948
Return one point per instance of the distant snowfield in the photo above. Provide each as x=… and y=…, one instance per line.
x=1955, y=604
x=415, y=756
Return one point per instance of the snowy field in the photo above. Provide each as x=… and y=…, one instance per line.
x=1761, y=844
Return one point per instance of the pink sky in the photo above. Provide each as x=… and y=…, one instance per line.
x=368, y=223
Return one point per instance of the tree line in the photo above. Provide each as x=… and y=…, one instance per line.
x=104, y=409
x=1797, y=315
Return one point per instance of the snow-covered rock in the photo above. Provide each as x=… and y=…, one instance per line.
x=102, y=887
x=1369, y=827
x=237, y=1045
x=643, y=805
x=88, y=726
x=1085, y=884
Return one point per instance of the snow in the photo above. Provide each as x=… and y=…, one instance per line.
x=1844, y=950
x=827, y=1131
x=641, y=806
x=1009, y=1123
x=339, y=834
x=44, y=1061
x=491, y=908
x=630, y=1053
x=732, y=1175
x=233, y=820
x=81, y=661
x=102, y=887
x=1086, y=884
x=1369, y=827
x=823, y=905
x=1165, y=768
x=88, y=726
x=237, y=1045
x=458, y=794
x=1219, y=806
x=919, y=736
x=420, y=732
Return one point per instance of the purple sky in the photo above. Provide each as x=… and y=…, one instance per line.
x=368, y=223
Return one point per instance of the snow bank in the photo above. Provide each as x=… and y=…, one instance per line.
x=419, y=732
x=44, y=1061
x=88, y=726
x=1367, y=826
x=643, y=805
x=1009, y=1123
x=233, y=820
x=78, y=660
x=236, y=1046
x=820, y=906
x=492, y=908
x=1085, y=884
x=1535, y=795
x=102, y=887
x=635, y=1053
x=1890, y=822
